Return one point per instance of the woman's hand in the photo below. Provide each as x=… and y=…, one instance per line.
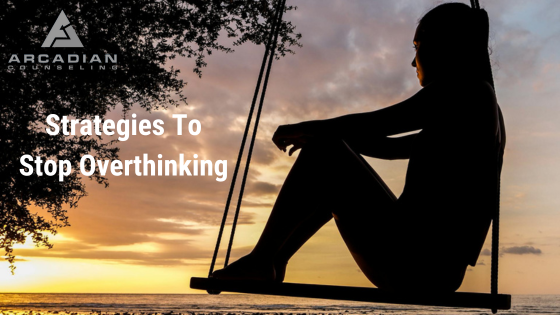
x=292, y=135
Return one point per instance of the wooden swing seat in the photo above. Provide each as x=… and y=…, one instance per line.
x=360, y=294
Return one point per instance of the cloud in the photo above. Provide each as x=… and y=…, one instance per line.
x=18, y=259
x=514, y=250
x=263, y=188
x=521, y=250
x=166, y=252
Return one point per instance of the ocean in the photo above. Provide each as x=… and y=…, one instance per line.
x=232, y=304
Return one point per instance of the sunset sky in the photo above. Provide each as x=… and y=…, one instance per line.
x=151, y=234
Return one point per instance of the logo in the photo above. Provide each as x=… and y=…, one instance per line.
x=62, y=34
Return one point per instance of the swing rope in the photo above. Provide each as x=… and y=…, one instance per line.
x=496, y=214
x=496, y=234
x=255, y=128
x=475, y=4
x=268, y=55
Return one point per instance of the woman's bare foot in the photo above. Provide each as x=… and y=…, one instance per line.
x=248, y=267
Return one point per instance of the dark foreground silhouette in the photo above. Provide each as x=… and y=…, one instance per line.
x=444, y=212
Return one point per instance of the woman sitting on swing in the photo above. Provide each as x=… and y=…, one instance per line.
x=444, y=212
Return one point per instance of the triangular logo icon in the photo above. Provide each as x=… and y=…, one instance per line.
x=62, y=34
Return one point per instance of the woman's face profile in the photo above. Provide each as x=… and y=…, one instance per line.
x=419, y=61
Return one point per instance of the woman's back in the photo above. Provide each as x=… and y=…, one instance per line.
x=451, y=183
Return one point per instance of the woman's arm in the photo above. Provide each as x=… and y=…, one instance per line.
x=408, y=115
x=369, y=130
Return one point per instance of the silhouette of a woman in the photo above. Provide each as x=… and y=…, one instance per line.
x=444, y=212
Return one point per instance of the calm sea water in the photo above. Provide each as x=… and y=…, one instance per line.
x=174, y=304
